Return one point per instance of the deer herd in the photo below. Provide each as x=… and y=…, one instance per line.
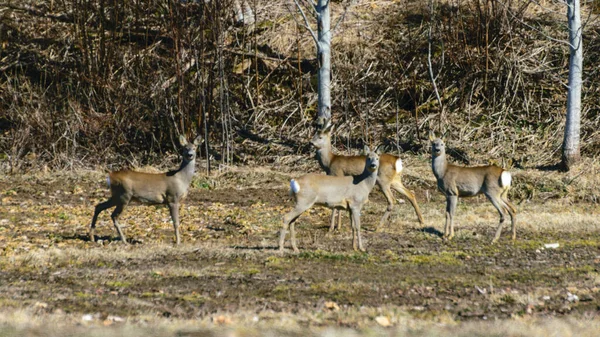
x=346, y=186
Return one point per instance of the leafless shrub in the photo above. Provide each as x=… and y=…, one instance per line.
x=100, y=82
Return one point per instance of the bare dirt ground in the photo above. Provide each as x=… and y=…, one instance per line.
x=227, y=273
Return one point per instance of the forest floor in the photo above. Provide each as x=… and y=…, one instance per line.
x=227, y=276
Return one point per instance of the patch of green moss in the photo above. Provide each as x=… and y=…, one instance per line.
x=118, y=284
x=83, y=295
x=282, y=292
x=252, y=271
x=153, y=294
x=443, y=258
x=275, y=262
x=193, y=298
x=508, y=299
x=582, y=243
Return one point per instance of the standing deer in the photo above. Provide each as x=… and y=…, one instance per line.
x=337, y=192
x=150, y=188
x=458, y=181
x=389, y=176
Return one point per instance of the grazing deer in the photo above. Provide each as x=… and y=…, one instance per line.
x=151, y=188
x=343, y=192
x=458, y=181
x=389, y=176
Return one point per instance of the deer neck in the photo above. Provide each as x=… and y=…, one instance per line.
x=367, y=177
x=186, y=170
x=439, y=165
x=325, y=157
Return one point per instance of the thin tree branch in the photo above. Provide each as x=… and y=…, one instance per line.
x=433, y=77
x=341, y=18
x=534, y=28
x=307, y=24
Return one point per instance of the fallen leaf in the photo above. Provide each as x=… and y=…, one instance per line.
x=332, y=306
x=222, y=320
x=383, y=321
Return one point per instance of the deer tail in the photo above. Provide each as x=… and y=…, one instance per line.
x=505, y=179
x=294, y=187
x=399, y=166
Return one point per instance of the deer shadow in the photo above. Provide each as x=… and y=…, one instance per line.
x=256, y=248
x=551, y=168
x=431, y=230
x=104, y=238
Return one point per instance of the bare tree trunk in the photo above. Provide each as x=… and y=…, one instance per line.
x=570, y=148
x=324, y=57
x=243, y=12
x=322, y=40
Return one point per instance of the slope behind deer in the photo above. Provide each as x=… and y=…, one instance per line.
x=458, y=181
x=150, y=188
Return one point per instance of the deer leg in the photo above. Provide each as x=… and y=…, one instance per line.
x=99, y=208
x=115, y=218
x=332, y=221
x=174, y=210
x=390, y=199
x=510, y=208
x=500, y=207
x=451, y=202
x=399, y=187
x=512, y=211
x=356, y=238
x=288, y=220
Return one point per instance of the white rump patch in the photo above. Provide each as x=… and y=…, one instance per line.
x=505, y=179
x=108, y=181
x=399, y=165
x=294, y=186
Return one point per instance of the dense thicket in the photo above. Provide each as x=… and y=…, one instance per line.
x=90, y=82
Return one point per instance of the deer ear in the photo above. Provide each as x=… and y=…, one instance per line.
x=366, y=150
x=197, y=141
x=182, y=140
x=378, y=149
x=431, y=135
x=327, y=126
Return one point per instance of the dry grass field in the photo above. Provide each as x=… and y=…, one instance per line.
x=228, y=279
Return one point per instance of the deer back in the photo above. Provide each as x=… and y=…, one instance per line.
x=470, y=181
x=153, y=188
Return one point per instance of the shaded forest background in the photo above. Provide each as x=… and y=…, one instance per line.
x=89, y=83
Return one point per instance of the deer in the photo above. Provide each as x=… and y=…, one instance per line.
x=389, y=176
x=168, y=188
x=458, y=181
x=337, y=192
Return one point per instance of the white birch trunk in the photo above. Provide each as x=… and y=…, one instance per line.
x=243, y=12
x=324, y=57
x=570, y=148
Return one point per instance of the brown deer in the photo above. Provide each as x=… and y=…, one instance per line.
x=338, y=192
x=458, y=181
x=389, y=176
x=150, y=188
